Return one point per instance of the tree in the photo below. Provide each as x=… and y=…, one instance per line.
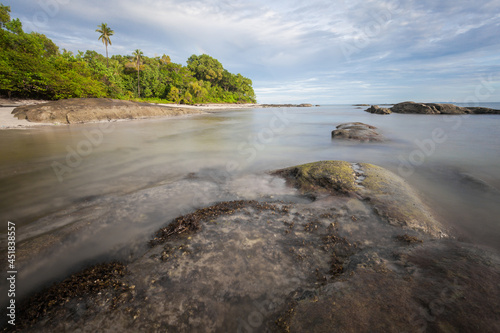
x=173, y=95
x=4, y=15
x=137, y=58
x=206, y=68
x=32, y=66
x=105, y=32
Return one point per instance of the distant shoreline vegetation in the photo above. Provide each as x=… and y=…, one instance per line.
x=32, y=66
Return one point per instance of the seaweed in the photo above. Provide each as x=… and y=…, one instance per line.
x=191, y=223
x=90, y=281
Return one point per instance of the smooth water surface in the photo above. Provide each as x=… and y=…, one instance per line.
x=127, y=179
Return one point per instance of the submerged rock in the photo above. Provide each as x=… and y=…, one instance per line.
x=364, y=256
x=440, y=287
x=357, y=131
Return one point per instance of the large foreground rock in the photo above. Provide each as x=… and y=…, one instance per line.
x=365, y=255
x=431, y=108
x=83, y=110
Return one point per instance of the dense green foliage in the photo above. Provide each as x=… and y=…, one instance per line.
x=32, y=66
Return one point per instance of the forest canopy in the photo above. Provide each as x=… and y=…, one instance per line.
x=32, y=66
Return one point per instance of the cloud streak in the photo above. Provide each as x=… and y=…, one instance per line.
x=294, y=51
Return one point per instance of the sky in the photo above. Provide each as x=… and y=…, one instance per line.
x=316, y=51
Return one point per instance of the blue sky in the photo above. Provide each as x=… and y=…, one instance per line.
x=319, y=51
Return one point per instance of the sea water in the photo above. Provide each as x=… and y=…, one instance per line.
x=127, y=179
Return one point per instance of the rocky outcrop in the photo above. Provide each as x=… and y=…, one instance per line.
x=480, y=110
x=378, y=110
x=367, y=245
x=84, y=110
x=391, y=198
x=431, y=108
x=357, y=131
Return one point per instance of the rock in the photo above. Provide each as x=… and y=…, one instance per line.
x=480, y=110
x=430, y=294
x=364, y=257
x=396, y=202
x=329, y=176
x=391, y=198
x=83, y=110
x=305, y=105
x=357, y=131
x=378, y=110
x=431, y=108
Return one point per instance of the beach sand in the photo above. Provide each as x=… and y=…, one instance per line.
x=8, y=121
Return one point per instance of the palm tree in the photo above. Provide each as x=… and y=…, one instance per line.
x=105, y=32
x=137, y=57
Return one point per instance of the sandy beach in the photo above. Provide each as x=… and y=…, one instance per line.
x=8, y=121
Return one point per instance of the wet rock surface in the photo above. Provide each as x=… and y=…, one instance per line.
x=365, y=255
x=324, y=176
x=83, y=110
x=358, y=132
x=431, y=108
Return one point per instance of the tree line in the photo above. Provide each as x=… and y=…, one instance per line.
x=32, y=66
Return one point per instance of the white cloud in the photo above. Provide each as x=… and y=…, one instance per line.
x=296, y=50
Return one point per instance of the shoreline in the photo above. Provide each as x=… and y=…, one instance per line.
x=10, y=121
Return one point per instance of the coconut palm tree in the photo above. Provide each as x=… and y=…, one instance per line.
x=137, y=58
x=105, y=32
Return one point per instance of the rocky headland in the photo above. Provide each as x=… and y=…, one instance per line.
x=83, y=110
x=359, y=252
x=430, y=108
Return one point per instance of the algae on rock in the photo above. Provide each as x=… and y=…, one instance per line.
x=330, y=176
x=395, y=201
x=389, y=195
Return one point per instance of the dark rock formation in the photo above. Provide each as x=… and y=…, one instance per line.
x=431, y=108
x=357, y=131
x=378, y=110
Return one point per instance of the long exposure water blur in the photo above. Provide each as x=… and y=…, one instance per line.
x=127, y=179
